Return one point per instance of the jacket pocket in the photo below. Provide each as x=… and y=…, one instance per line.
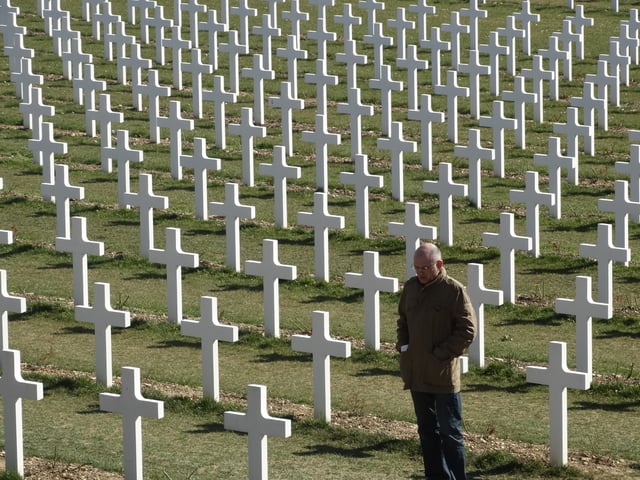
x=406, y=368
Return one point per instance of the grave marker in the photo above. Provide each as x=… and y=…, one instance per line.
x=474, y=69
x=592, y=105
x=243, y=12
x=537, y=74
x=480, y=296
x=259, y=75
x=286, y=102
x=154, y=91
x=426, y=116
x=455, y=28
x=622, y=208
x=103, y=317
x=322, y=80
x=132, y=406
x=511, y=33
x=247, y=131
x=200, y=163
x=104, y=116
x=321, y=221
x=197, y=68
x=361, y=179
x=401, y=24
x=474, y=13
x=44, y=148
x=210, y=331
x=608, y=86
x=80, y=247
x=8, y=303
x=378, y=41
x=436, y=46
x=232, y=211
x=507, y=242
x=234, y=49
x=61, y=192
x=322, y=139
x=445, y=188
x=397, y=145
x=213, y=27
x=25, y=79
x=526, y=19
x=86, y=86
x=220, y=97
x=268, y=29
x=574, y=131
x=555, y=162
x=321, y=346
x=174, y=258
x=295, y=17
x=474, y=153
x=123, y=154
x=33, y=110
x=558, y=377
x=13, y=389
x=280, y=172
x=372, y=282
x=259, y=425
x=356, y=110
x=176, y=43
x=175, y=122
x=452, y=91
x=271, y=271
x=520, y=97
x=413, y=232
x=494, y=50
x=422, y=10
x=412, y=64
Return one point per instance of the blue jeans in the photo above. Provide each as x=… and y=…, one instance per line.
x=439, y=417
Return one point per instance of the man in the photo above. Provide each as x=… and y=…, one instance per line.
x=436, y=323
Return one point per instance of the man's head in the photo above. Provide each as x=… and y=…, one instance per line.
x=427, y=262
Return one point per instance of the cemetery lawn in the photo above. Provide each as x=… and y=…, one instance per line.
x=372, y=433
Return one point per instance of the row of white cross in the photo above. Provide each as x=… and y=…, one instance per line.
x=71, y=233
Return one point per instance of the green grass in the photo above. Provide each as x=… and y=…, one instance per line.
x=190, y=441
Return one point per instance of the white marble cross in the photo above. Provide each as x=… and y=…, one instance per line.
x=33, y=110
x=321, y=221
x=132, y=406
x=474, y=14
x=322, y=37
x=322, y=80
x=413, y=65
x=322, y=139
x=80, y=247
x=387, y=86
x=61, y=192
x=575, y=131
x=401, y=24
x=578, y=21
x=455, y=28
x=348, y=21
x=632, y=170
x=474, y=69
x=247, y=131
x=176, y=43
x=193, y=8
x=123, y=154
x=24, y=79
x=259, y=74
x=445, y=188
x=200, y=163
x=533, y=198
x=617, y=61
x=520, y=97
x=44, y=148
x=220, y=97
x=494, y=50
x=608, y=86
x=396, y=145
x=605, y=253
x=622, y=208
x=280, y=172
x=480, y=296
x=160, y=23
x=422, y=10
x=595, y=110
x=511, y=33
x=372, y=282
x=507, y=242
x=554, y=54
x=8, y=303
x=243, y=12
x=498, y=123
x=105, y=117
x=322, y=347
x=413, y=232
x=295, y=17
x=213, y=27
x=234, y=48
x=259, y=425
x=174, y=258
x=538, y=74
x=271, y=271
x=474, y=153
x=232, y=211
x=356, y=110
x=352, y=59
x=558, y=377
x=154, y=91
x=362, y=180
x=197, y=68
x=584, y=308
x=86, y=86
x=286, y=102
x=176, y=123
x=452, y=91
x=210, y=331
x=426, y=116
x=13, y=389
x=103, y=317
x=555, y=162
x=146, y=201
x=268, y=30
x=526, y=18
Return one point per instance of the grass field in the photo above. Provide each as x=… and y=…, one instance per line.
x=190, y=441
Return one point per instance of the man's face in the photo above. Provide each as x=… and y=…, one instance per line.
x=425, y=267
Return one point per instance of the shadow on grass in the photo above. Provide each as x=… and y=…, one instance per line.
x=328, y=297
x=236, y=286
x=612, y=334
x=282, y=357
x=361, y=451
x=175, y=344
x=377, y=372
x=210, y=427
x=607, y=407
x=551, y=320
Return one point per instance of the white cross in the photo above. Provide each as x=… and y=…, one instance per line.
x=232, y=211
x=608, y=86
x=511, y=33
x=445, y=188
x=105, y=117
x=247, y=131
x=136, y=63
x=494, y=50
x=160, y=23
x=558, y=377
x=386, y=85
x=86, y=86
x=176, y=43
x=34, y=109
x=474, y=153
x=322, y=139
x=176, y=123
x=174, y=258
x=321, y=346
x=234, y=48
x=422, y=9
x=396, y=145
x=8, y=303
x=507, y=242
x=321, y=221
x=592, y=105
x=220, y=97
x=584, y=309
x=271, y=271
x=574, y=131
x=280, y=172
x=362, y=180
x=401, y=24
x=413, y=65
x=474, y=69
x=412, y=231
x=480, y=296
x=259, y=425
x=533, y=198
x=322, y=80
x=352, y=59
x=123, y=154
x=426, y=116
x=474, y=13
x=213, y=27
x=605, y=253
x=196, y=67
x=61, y=191
x=455, y=29
x=452, y=91
x=200, y=163
x=356, y=110
x=378, y=41
x=579, y=21
x=295, y=17
x=286, y=102
x=154, y=91
x=132, y=406
x=13, y=388
x=146, y=201
x=44, y=147
x=538, y=75
x=243, y=12
x=210, y=331
x=80, y=247
x=520, y=97
x=632, y=170
x=555, y=162
x=268, y=32
x=193, y=8
x=436, y=46
x=372, y=282
x=103, y=317
x=554, y=54
x=259, y=74
x=25, y=78
x=622, y=208
x=348, y=21
x=526, y=18
x=618, y=61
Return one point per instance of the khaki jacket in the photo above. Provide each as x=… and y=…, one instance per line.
x=438, y=323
